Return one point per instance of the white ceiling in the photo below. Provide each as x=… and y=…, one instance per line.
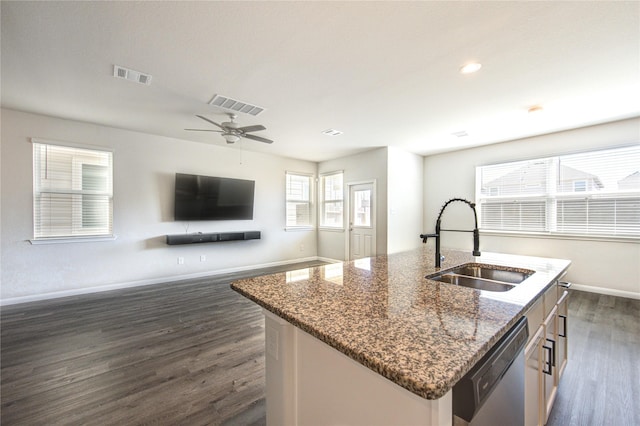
x=384, y=73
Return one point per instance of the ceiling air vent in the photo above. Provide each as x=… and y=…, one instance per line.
x=131, y=75
x=235, y=105
x=332, y=132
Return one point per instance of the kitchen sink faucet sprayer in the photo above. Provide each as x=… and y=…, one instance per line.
x=476, y=233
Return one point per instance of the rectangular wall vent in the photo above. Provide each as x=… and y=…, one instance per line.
x=332, y=132
x=131, y=75
x=234, y=105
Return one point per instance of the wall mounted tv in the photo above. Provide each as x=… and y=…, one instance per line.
x=213, y=198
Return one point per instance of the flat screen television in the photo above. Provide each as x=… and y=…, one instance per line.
x=213, y=198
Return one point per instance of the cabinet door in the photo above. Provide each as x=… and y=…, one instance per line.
x=549, y=361
x=533, y=381
x=563, y=340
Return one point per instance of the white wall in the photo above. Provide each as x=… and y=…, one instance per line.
x=605, y=266
x=144, y=169
x=369, y=165
x=405, y=200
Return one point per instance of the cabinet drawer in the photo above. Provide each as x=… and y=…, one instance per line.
x=535, y=316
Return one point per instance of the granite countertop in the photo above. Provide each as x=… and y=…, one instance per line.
x=383, y=313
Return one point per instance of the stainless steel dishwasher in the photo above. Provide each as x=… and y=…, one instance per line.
x=492, y=392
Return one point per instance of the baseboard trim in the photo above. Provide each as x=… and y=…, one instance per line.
x=151, y=281
x=605, y=291
x=329, y=260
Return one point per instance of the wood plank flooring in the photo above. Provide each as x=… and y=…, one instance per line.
x=601, y=384
x=192, y=353
x=189, y=352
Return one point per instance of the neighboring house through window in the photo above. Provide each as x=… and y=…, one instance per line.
x=590, y=193
x=73, y=192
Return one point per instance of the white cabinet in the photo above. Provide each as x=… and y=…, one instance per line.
x=549, y=356
x=563, y=339
x=533, y=413
x=545, y=353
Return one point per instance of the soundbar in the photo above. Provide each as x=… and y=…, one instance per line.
x=214, y=237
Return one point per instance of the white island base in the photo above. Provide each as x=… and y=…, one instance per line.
x=310, y=383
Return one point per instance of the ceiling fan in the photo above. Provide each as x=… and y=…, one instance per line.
x=231, y=132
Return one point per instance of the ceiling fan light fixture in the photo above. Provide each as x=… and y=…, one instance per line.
x=231, y=138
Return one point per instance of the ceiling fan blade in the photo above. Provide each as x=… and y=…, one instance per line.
x=204, y=130
x=258, y=138
x=209, y=121
x=255, y=128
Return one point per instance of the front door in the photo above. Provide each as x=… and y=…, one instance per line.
x=362, y=228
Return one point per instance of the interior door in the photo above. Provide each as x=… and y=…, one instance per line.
x=362, y=229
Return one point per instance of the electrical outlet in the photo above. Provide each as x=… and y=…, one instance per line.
x=181, y=261
x=203, y=258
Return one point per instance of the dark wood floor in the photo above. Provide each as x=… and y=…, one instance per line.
x=192, y=353
x=189, y=352
x=601, y=384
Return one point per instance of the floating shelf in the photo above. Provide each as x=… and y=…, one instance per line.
x=213, y=237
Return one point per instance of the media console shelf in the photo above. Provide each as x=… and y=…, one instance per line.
x=213, y=237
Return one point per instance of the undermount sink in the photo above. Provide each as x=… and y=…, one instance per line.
x=483, y=277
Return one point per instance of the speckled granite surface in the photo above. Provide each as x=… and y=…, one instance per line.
x=382, y=312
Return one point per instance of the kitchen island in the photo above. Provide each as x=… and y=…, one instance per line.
x=370, y=340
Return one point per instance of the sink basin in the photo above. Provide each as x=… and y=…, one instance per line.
x=490, y=272
x=479, y=283
x=483, y=277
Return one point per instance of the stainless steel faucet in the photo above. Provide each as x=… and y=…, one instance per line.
x=476, y=233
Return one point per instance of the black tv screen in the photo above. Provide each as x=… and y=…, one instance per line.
x=213, y=198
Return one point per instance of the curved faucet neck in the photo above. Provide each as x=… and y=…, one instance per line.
x=469, y=203
x=476, y=232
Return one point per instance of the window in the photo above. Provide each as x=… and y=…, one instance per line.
x=591, y=193
x=362, y=207
x=72, y=192
x=331, y=200
x=298, y=194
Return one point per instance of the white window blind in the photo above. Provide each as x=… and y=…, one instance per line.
x=332, y=200
x=591, y=193
x=72, y=192
x=298, y=195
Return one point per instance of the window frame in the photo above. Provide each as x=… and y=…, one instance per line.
x=556, y=197
x=75, y=216
x=309, y=202
x=323, y=202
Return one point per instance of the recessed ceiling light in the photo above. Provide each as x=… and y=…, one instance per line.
x=470, y=68
x=535, y=109
x=332, y=132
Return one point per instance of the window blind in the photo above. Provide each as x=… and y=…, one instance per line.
x=590, y=193
x=298, y=196
x=73, y=191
